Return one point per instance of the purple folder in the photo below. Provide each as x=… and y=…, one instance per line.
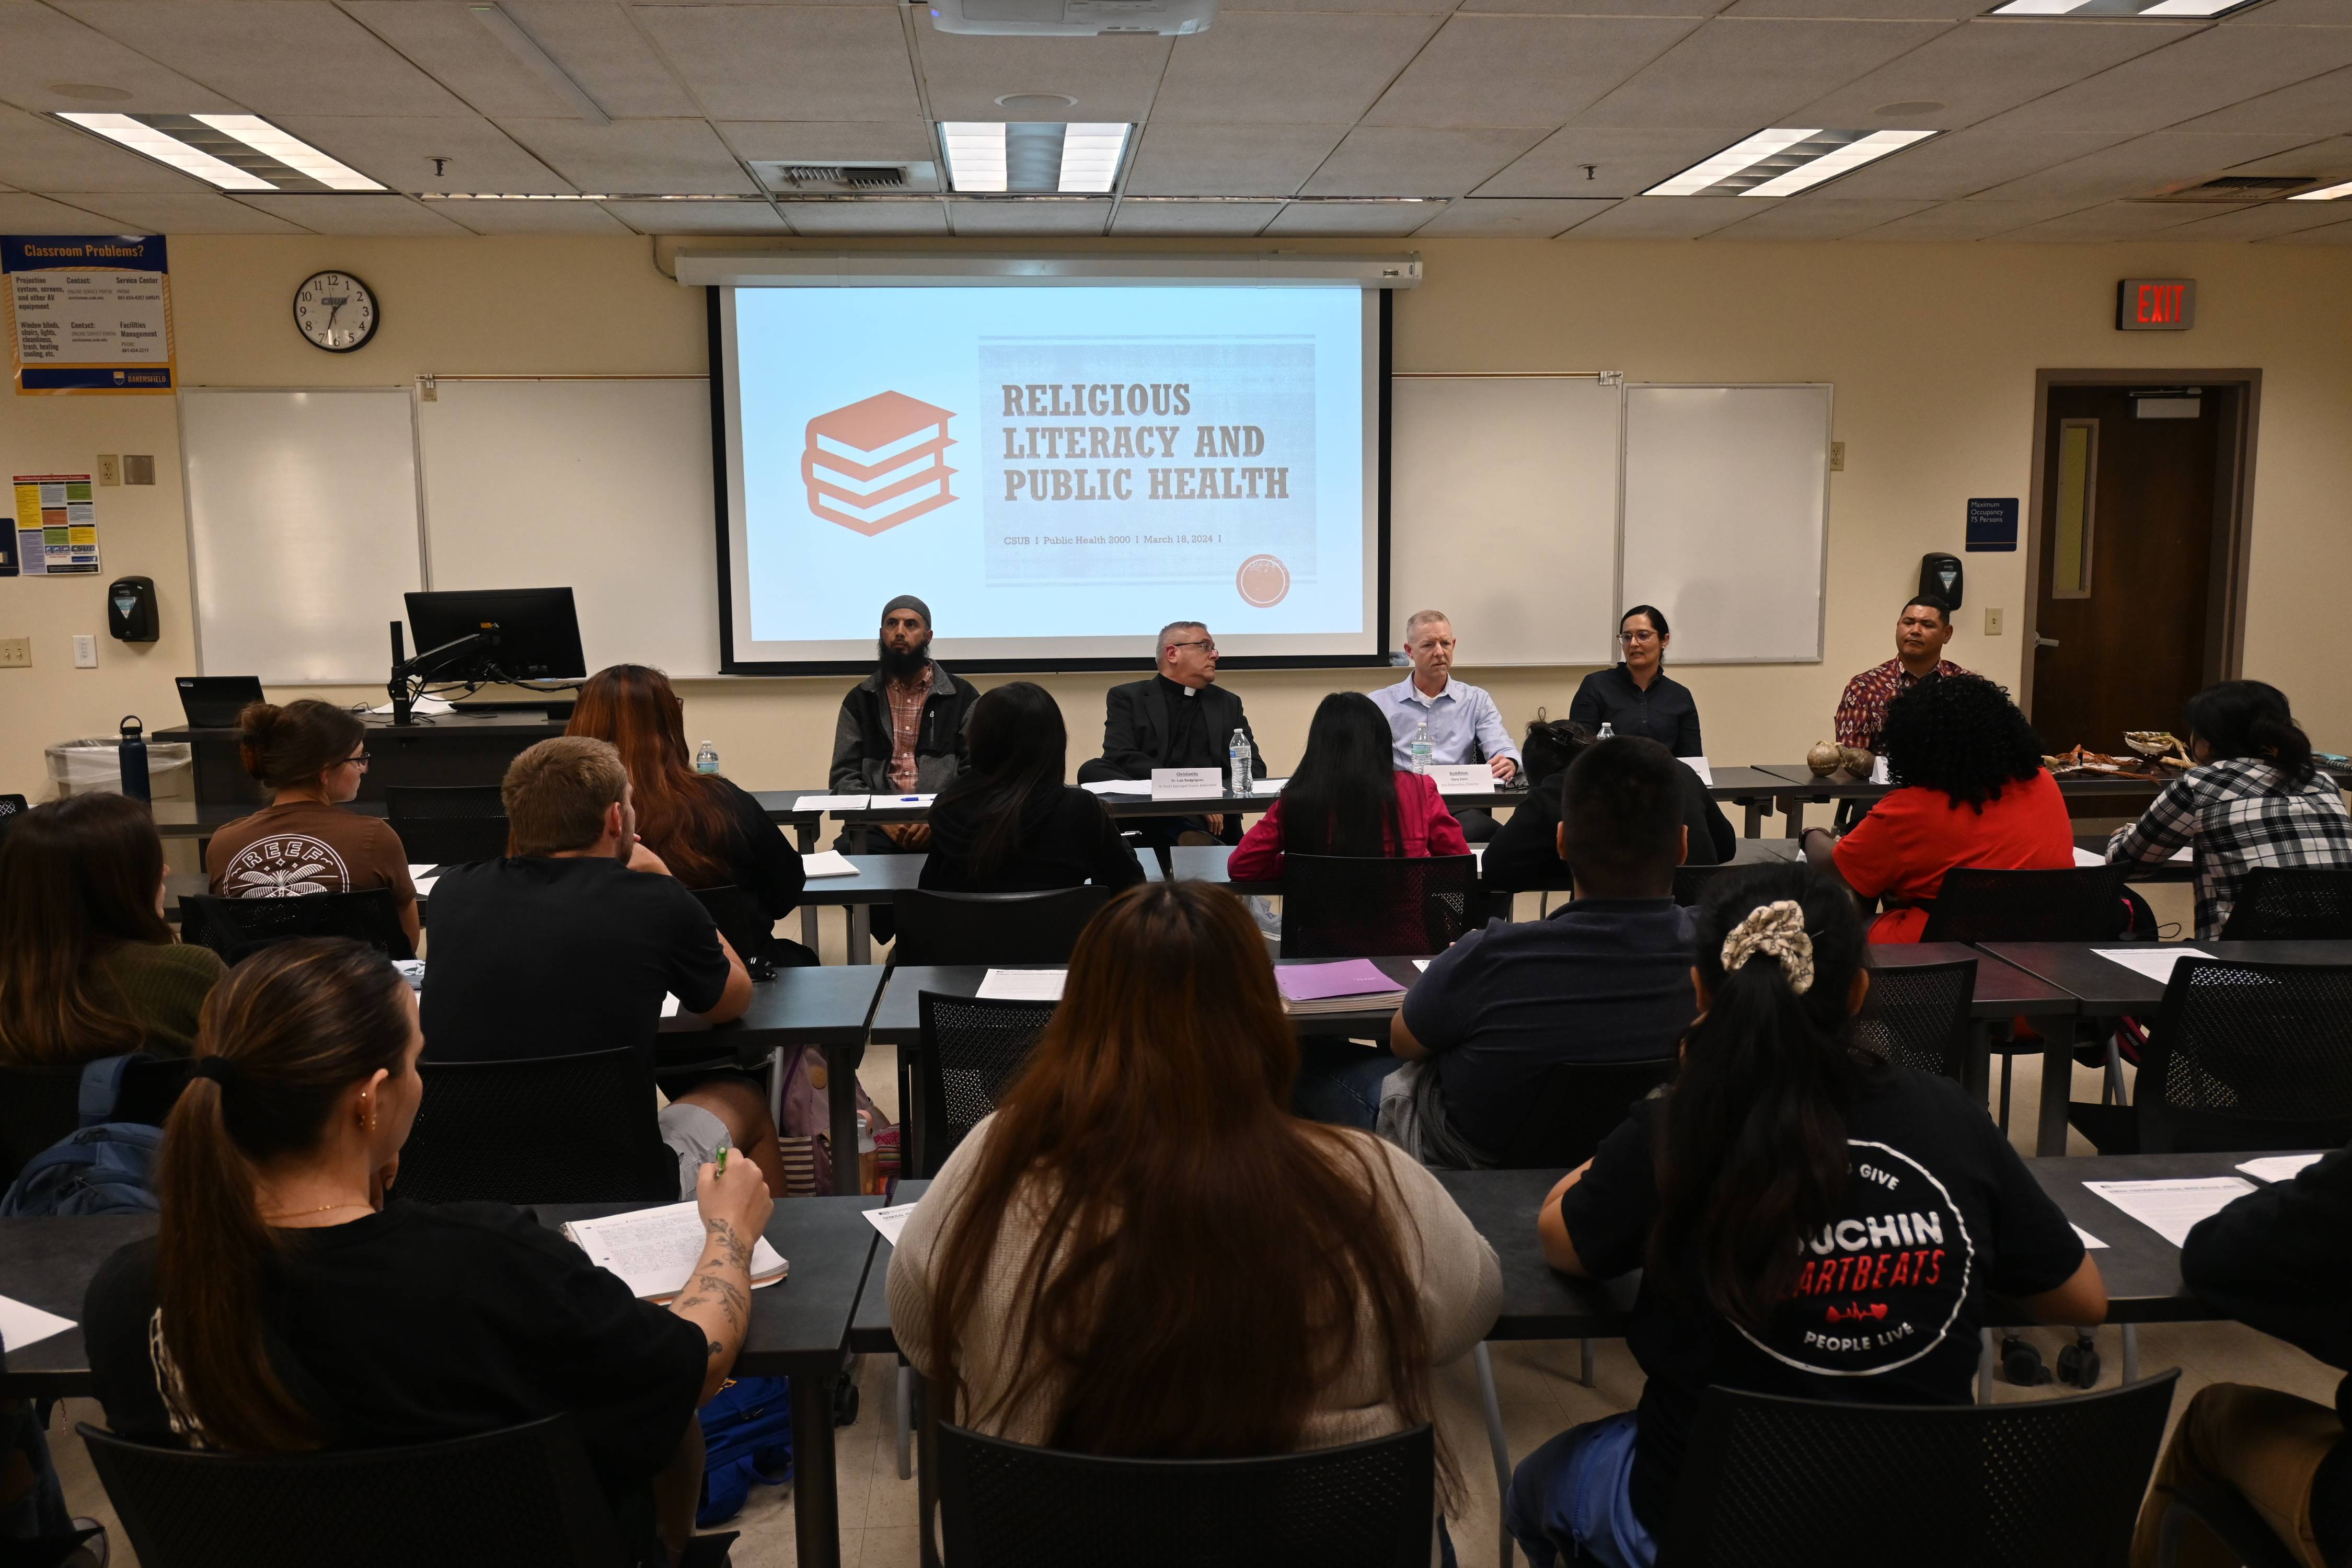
x=1348, y=977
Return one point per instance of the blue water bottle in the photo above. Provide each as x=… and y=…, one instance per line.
x=134, y=759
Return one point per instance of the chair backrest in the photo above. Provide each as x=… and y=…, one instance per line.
x=447, y=824
x=238, y=928
x=992, y=928
x=577, y=1128
x=973, y=1046
x=1691, y=882
x=2292, y=903
x=1362, y=906
x=1918, y=1017
x=39, y=1105
x=11, y=808
x=1974, y=904
x=1008, y=1505
x=2248, y=1056
x=1578, y=1105
x=1770, y=1482
x=526, y=1494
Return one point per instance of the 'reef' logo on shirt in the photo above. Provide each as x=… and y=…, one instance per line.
x=285, y=868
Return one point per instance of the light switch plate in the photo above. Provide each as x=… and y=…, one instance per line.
x=1992, y=622
x=85, y=651
x=16, y=653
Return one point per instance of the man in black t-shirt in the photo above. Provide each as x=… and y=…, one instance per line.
x=573, y=944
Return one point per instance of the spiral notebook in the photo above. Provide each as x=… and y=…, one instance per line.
x=655, y=1251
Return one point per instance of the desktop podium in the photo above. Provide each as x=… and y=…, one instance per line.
x=446, y=749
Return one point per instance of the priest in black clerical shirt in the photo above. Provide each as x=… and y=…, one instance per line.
x=1178, y=718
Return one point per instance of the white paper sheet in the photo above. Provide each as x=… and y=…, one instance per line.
x=1023, y=984
x=898, y=802
x=2156, y=962
x=1878, y=772
x=890, y=1221
x=655, y=1251
x=2088, y=1239
x=23, y=1324
x=2170, y=1208
x=1268, y=786
x=1422, y=964
x=424, y=885
x=669, y=1005
x=2087, y=858
x=1118, y=787
x=1698, y=765
x=424, y=706
x=831, y=802
x=827, y=863
x=2278, y=1167
x=416, y=872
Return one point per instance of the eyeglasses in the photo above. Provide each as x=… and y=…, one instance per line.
x=1636, y=638
x=1205, y=645
x=359, y=761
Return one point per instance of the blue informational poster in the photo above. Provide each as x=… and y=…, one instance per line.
x=88, y=313
x=1992, y=522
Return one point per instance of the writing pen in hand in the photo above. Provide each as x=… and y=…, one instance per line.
x=722, y=1158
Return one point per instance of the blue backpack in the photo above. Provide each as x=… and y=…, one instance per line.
x=747, y=1436
x=105, y=1167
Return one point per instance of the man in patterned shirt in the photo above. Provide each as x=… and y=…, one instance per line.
x=1919, y=637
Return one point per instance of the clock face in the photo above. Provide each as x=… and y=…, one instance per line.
x=335, y=311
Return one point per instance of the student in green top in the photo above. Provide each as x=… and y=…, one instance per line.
x=88, y=968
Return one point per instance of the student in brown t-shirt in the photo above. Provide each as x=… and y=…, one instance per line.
x=310, y=756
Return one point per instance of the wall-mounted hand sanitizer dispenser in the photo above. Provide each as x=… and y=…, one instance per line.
x=1941, y=574
x=131, y=609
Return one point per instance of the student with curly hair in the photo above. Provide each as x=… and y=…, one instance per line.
x=1970, y=790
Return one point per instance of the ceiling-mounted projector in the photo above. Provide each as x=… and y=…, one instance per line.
x=1072, y=19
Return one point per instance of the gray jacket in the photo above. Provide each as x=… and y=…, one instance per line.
x=861, y=736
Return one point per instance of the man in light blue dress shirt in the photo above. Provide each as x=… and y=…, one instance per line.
x=1465, y=725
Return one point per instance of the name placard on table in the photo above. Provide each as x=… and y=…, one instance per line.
x=1468, y=778
x=1187, y=783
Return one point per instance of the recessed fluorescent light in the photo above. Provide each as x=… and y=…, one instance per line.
x=164, y=148
x=1090, y=155
x=1033, y=157
x=2095, y=8
x=1782, y=161
x=2327, y=194
x=235, y=151
x=975, y=155
x=295, y=154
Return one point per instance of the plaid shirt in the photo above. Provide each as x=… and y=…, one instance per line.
x=2239, y=815
x=905, y=700
x=1862, y=711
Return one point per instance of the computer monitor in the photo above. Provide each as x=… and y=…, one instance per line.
x=538, y=634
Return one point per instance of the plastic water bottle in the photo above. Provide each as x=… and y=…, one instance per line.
x=1237, y=763
x=1421, y=747
x=1608, y=730
x=705, y=761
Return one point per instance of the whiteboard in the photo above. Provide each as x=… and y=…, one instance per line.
x=1725, y=523
x=302, y=530
x=1503, y=513
x=602, y=486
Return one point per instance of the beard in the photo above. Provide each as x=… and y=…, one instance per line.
x=903, y=666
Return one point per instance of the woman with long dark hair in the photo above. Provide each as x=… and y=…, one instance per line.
x=1970, y=790
x=1636, y=696
x=1143, y=1253
x=1347, y=797
x=88, y=967
x=277, y=1307
x=1812, y=1221
x=1009, y=823
x=2256, y=797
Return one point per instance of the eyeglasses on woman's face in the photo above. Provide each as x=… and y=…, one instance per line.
x=1637, y=639
x=357, y=760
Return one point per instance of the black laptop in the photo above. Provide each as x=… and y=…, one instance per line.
x=213, y=701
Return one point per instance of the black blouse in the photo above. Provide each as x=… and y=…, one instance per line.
x=1067, y=840
x=1665, y=714
x=760, y=860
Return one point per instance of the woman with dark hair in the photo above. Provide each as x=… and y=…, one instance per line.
x=1812, y=1221
x=1524, y=854
x=1143, y=1253
x=1009, y=823
x=275, y=1308
x=1347, y=797
x=1637, y=697
x=310, y=756
x=2256, y=797
x=88, y=968
x=1970, y=790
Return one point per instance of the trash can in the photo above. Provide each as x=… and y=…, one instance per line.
x=94, y=765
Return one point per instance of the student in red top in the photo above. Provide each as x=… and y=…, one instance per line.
x=1970, y=790
x=1347, y=798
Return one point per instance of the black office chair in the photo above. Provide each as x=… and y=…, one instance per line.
x=554, y=1130
x=2292, y=903
x=1692, y=882
x=39, y=1105
x=1008, y=1505
x=238, y=928
x=447, y=824
x=2051, y=1483
x=11, y=806
x=973, y=1046
x=526, y=1494
x=1918, y=1017
x=992, y=928
x=1362, y=906
x=2242, y=1055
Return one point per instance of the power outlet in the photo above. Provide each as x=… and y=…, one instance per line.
x=85, y=650
x=110, y=468
x=1837, y=456
x=16, y=653
x=1992, y=622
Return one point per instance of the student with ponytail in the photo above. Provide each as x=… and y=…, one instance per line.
x=2255, y=798
x=1812, y=1221
x=277, y=1308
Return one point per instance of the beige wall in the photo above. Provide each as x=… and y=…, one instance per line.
x=1933, y=350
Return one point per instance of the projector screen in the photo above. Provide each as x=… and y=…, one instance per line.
x=1058, y=467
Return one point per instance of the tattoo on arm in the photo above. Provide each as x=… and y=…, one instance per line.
x=733, y=1247
x=717, y=1349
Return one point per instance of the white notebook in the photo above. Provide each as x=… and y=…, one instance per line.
x=655, y=1251
x=827, y=863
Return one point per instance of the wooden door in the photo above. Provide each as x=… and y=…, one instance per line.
x=2133, y=509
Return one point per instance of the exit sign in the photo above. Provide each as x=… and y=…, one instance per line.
x=2156, y=304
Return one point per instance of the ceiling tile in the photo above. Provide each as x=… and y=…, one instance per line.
x=2112, y=221
x=2334, y=234
x=813, y=141
x=179, y=215
x=2330, y=158
x=697, y=217
x=22, y=214
x=1985, y=67
x=534, y=217
x=1176, y=159
x=789, y=62
x=399, y=151
x=1745, y=74
x=2195, y=76
x=1523, y=71
x=655, y=157
x=1029, y=218
x=1693, y=8
x=41, y=154
x=1112, y=78
x=1968, y=220
x=1624, y=163
x=599, y=47
x=867, y=217
x=2322, y=106
x=1255, y=67
x=2268, y=221
x=1816, y=217
x=1410, y=161
x=442, y=38
x=1665, y=217
x=1962, y=163
x=279, y=57
x=2144, y=166
x=1864, y=10
x=47, y=45
x=2299, y=13
x=1352, y=217
x=1524, y=217
x=1203, y=217
x=356, y=213
x=1413, y=7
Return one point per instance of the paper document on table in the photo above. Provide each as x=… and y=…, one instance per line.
x=2278, y=1167
x=22, y=1324
x=2171, y=1207
x=1268, y=786
x=655, y=1251
x=424, y=885
x=826, y=863
x=1021, y=984
x=1422, y=964
x=416, y=872
x=1879, y=774
x=2156, y=962
x=669, y=1005
x=1117, y=787
x=898, y=802
x=2086, y=859
x=890, y=1221
x=1698, y=765
x=831, y=802
x=2088, y=1239
x=424, y=706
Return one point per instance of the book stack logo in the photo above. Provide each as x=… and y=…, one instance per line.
x=878, y=463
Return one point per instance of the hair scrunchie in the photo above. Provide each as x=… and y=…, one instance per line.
x=1778, y=931
x=220, y=1069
